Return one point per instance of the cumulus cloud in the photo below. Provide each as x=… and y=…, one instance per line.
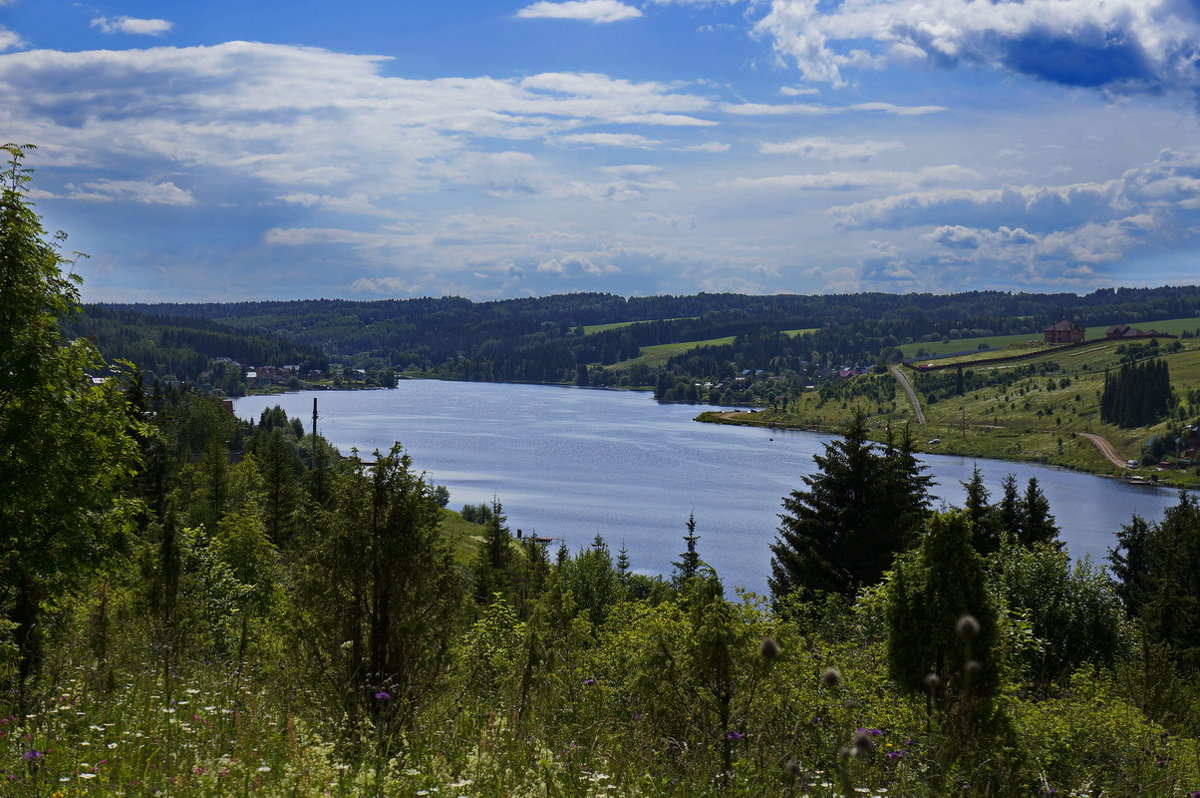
x=825, y=149
x=132, y=25
x=9, y=40
x=1037, y=235
x=594, y=11
x=1121, y=45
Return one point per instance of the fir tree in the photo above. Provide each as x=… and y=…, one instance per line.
x=859, y=509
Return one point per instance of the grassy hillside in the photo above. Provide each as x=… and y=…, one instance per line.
x=1170, y=326
x=659, y=354
x=1031, y=417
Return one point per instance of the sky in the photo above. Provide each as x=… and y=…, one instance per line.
x=369, y=149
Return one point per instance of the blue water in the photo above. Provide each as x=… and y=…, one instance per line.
x=572, y=463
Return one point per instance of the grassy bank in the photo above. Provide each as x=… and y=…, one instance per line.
x=1029, y=410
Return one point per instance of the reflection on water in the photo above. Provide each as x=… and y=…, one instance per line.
x=574, y=463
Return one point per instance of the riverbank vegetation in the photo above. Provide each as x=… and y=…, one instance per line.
x=195, y=606
x=1033, y=409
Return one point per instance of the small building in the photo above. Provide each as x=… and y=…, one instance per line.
x=1064, y=332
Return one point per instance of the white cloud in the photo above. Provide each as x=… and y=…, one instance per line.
x=9, y=40
x=815, y=109
x=847, y=181
x=140, y=191
x=797, y=91
x=707, y=146
x=1124, y=45
x=132, y=25
x=594, y=11
x=825, y=149
x=385, y=286
x=628, y=140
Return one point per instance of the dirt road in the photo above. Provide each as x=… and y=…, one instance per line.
x=1105, y=448
x=902, y=378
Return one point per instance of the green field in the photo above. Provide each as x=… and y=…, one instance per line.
x=659, y=354
x=1170, y=326
x=588, y=329
x=794, y=333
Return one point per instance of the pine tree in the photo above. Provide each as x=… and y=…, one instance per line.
x=494, y=562
x=985, y=532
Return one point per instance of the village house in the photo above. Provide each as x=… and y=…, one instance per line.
x=1064, y=332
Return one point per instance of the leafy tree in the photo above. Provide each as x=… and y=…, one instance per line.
x=860, y=508
x=65, y=443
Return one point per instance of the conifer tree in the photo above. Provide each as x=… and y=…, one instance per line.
x=859, y=509
x=689, y=562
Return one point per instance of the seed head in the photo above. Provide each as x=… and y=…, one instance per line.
x=972, y=668
x=831, y=677
x=932, y=682
x=967, y=627
x=769, y=648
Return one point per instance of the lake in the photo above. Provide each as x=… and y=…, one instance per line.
x=573, y=463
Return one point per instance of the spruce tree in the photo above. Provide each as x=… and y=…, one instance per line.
x=857, y=511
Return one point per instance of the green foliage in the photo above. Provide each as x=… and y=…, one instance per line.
x=1155, y=566
x=1138, y=395
x=942, y=622
x=66, y=444
x=859, y=510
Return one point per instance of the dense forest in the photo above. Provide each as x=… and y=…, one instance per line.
x=193, y=605
x=785, y=341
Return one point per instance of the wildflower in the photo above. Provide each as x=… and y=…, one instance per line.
x=265, y=769
x=382, y=696
x=87, y=775
x=734, y=736
x=32, y=755
x=589, y=680
x=831, y=677
x=769, y=648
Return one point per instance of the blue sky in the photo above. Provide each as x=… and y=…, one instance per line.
x=273, y=150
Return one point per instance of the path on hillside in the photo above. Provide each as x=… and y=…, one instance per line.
x=902, y=378
x=1106, y=448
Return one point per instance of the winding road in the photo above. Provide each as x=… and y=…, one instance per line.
x=902, y=378
x=1106, y=448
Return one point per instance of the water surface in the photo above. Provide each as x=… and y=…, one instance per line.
x=573, y=463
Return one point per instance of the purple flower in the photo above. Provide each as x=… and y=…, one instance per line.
x=734, y=735
x=32, y=755
x=896, y=754
x=589, y=680
x=382, y=696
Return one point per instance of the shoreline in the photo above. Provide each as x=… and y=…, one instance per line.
x=1188, y=482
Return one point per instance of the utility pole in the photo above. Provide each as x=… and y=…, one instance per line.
x=314, y=432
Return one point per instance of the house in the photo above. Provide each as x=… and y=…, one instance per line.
x=1064, y=332
x=1118, y=331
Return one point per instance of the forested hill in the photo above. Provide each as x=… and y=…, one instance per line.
x=183, y=347
x=544, y=339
